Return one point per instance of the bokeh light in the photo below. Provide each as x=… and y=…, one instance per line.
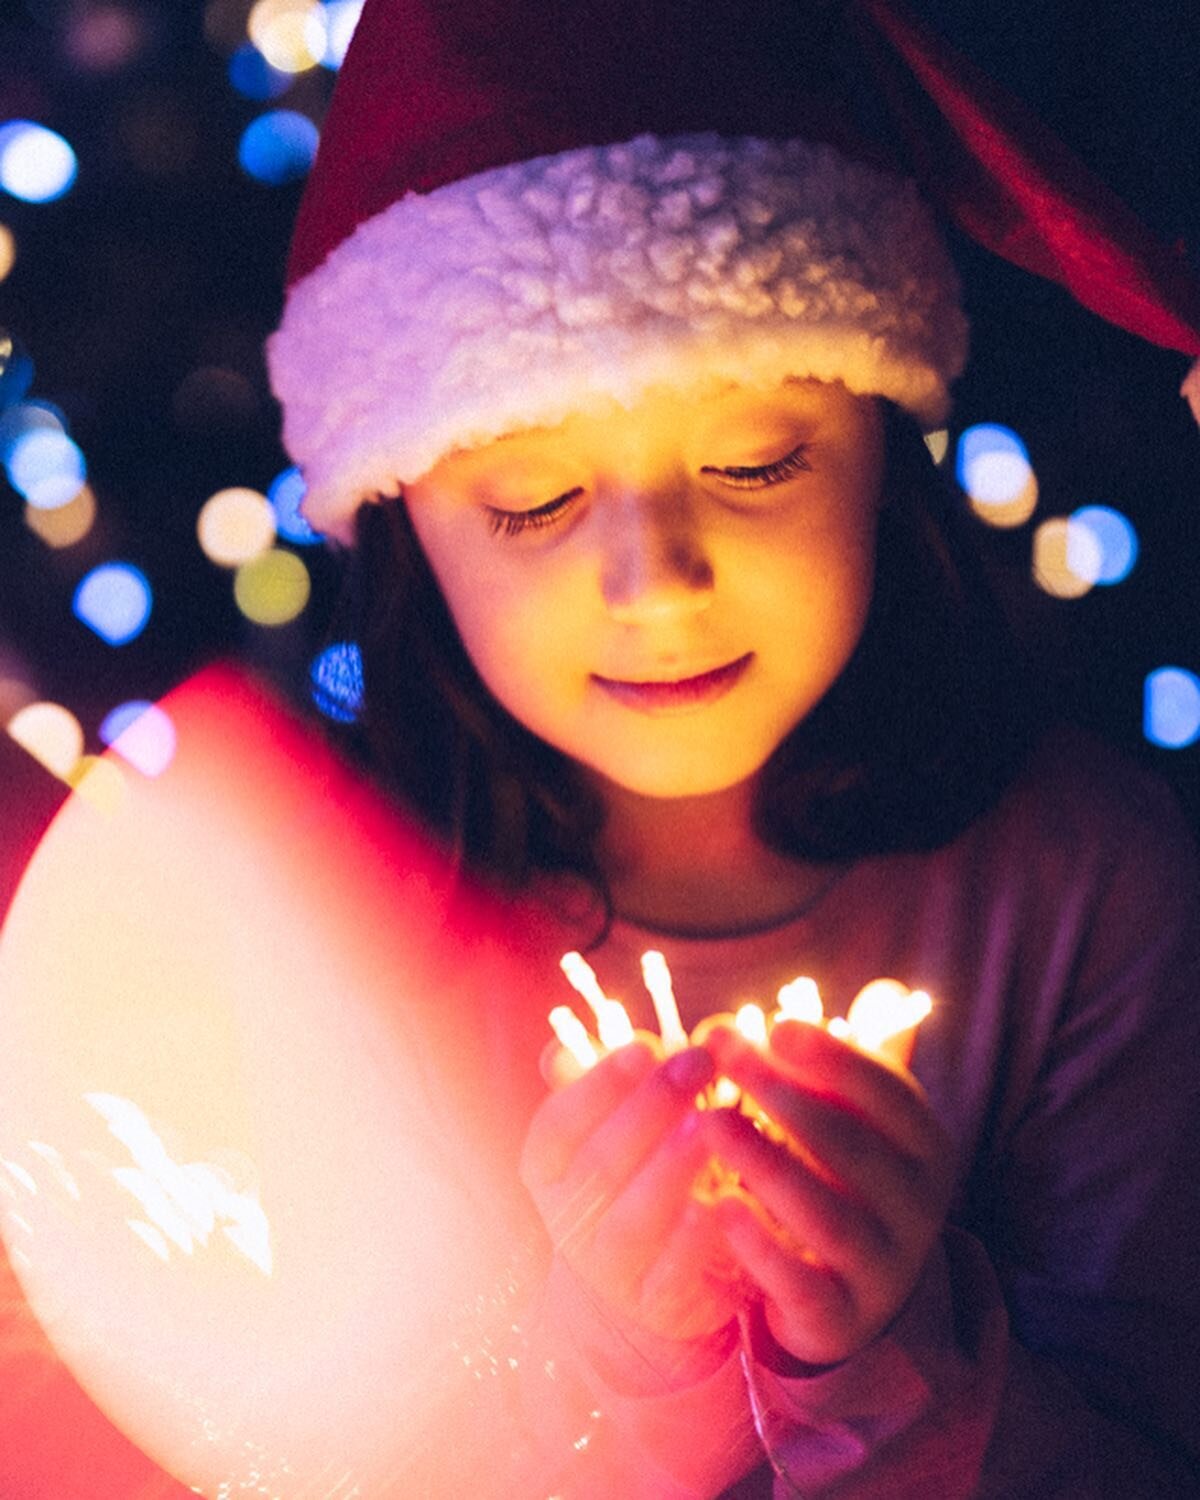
x=341, y=17
x=51, y=733
x=212, y=396
x=27, y=416
x=36, y=164
x=1102, y=544
x=286, y=494
x=46, y=467
x=102, y=38
x=336, y=680
x=1056, y=552
x=99, y=782
x=235, y=525
x=1171, y=708
x=16, y=370
x=290, y=34
x=254, y=77
x=142, y=734
x=993, y=469
x=65, y=524
x=8, y=250
x=278, y=147
x=272, y=589
x=115, y=601
x=938, y=444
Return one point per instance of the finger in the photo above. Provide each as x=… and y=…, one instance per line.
x=826, y=1069
x=814, y=1312
x=628, y=1227
x=566, y=1119
x=621, y=1142
x=816, y=1216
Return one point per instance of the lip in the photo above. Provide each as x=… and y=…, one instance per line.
x=679, y=695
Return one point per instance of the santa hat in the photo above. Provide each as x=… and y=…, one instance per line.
x=522, y=209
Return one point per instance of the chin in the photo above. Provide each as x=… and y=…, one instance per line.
x=668, y=779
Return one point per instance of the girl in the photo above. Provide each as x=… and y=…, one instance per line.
x=668, y=627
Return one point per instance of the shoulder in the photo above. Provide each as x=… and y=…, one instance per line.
x=1083, y=804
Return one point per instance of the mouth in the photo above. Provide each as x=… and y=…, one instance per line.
x=679, y=694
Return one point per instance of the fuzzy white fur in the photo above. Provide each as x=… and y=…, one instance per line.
x=514, y=297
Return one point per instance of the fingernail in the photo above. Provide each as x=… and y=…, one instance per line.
x=689, y=1071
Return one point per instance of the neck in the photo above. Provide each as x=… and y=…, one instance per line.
x=694, y=865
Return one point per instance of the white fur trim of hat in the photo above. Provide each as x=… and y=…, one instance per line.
x=512, y=298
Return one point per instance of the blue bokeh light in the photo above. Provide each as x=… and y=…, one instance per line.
x=1171, y=708
x=336, y=677
x=991, y=462
x=286, y=493
x=278, y=147
x=253, y=76
x=36, y=164
x=46, y=467
x=16, y=370
x=1115, y=539
x=341, y=17
x=27, y=416
x=115, y=601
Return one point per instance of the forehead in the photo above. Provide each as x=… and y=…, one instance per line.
x=716, y=412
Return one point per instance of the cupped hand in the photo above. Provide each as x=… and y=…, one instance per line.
x=840, y=1199
x=610, y=1161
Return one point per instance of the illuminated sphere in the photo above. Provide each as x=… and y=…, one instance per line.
x=228, y=1194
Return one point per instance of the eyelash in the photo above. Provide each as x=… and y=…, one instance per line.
x=513, y=522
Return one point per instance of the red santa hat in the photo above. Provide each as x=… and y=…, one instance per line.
x=522, y=209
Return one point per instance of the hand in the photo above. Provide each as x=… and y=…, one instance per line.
x=610, y=1161
x=833, y=1220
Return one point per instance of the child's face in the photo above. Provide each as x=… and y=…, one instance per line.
x=591, y=566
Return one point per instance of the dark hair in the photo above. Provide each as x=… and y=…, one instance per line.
x=922, y=731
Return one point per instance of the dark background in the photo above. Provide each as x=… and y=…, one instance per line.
x=143, y=297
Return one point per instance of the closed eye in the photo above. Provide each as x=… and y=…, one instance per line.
x=763, y=476
x=513, y=522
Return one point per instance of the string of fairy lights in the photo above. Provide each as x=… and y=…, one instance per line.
x=279, y=57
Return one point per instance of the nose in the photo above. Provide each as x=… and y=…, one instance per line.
x=656, y=566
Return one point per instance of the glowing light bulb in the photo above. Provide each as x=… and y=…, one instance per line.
x=751, y=1021
x=657, y=979
x=612, y=1020
x=573, y=1035
x=883, y=1009
x=800, y=1000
